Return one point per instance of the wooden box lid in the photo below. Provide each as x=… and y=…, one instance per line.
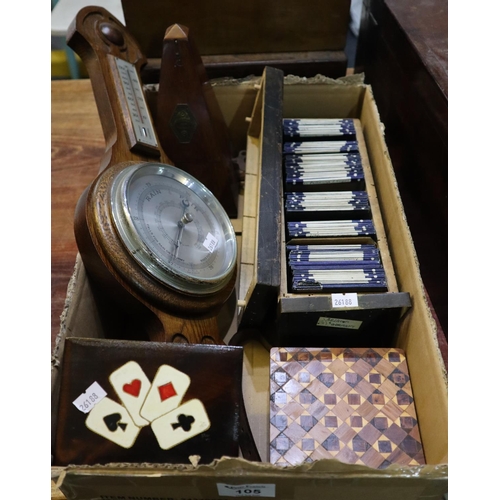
x=241, y=27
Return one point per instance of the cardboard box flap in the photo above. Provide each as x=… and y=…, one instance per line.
x=428, y=374
x=229, y=466
x=223, y=478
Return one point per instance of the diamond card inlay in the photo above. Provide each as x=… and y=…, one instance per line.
x=355, y=405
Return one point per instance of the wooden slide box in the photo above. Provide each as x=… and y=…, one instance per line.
x=416, y=335
x=303, y=319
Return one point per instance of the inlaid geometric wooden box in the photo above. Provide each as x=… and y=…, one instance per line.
x=355, y=405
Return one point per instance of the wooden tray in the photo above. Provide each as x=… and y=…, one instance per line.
x=303, y=319
x=260, y=269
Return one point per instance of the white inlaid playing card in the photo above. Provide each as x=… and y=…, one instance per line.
x=166, y=392
x=181, y=424
x=132, y=386
x=112, y=421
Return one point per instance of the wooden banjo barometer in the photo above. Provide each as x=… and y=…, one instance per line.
x=158, y=247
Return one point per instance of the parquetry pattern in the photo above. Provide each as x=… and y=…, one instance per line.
x=352, y=404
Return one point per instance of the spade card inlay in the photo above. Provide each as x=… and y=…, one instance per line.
x=113, y=421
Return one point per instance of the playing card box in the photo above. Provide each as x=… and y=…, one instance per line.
x=416, y=334
x=126, y=401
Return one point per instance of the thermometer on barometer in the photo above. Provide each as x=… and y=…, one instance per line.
x=139, y=112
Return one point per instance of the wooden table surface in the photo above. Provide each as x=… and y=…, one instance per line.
x=77, y=149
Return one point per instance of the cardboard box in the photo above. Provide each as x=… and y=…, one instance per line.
x=417, y=335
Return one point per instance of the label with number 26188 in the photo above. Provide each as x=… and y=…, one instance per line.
x=344, y=300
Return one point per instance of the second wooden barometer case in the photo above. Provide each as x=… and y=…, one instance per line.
x=159, y=248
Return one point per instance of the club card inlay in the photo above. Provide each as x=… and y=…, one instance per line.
x=355, y=405
x=181, y=424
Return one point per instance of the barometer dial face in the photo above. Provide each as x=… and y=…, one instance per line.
x=174, y=227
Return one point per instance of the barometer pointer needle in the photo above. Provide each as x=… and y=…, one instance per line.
x=186, y=218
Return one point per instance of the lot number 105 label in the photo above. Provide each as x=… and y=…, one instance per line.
x=247, y=490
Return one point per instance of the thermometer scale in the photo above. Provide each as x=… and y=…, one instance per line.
x=137, y=108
